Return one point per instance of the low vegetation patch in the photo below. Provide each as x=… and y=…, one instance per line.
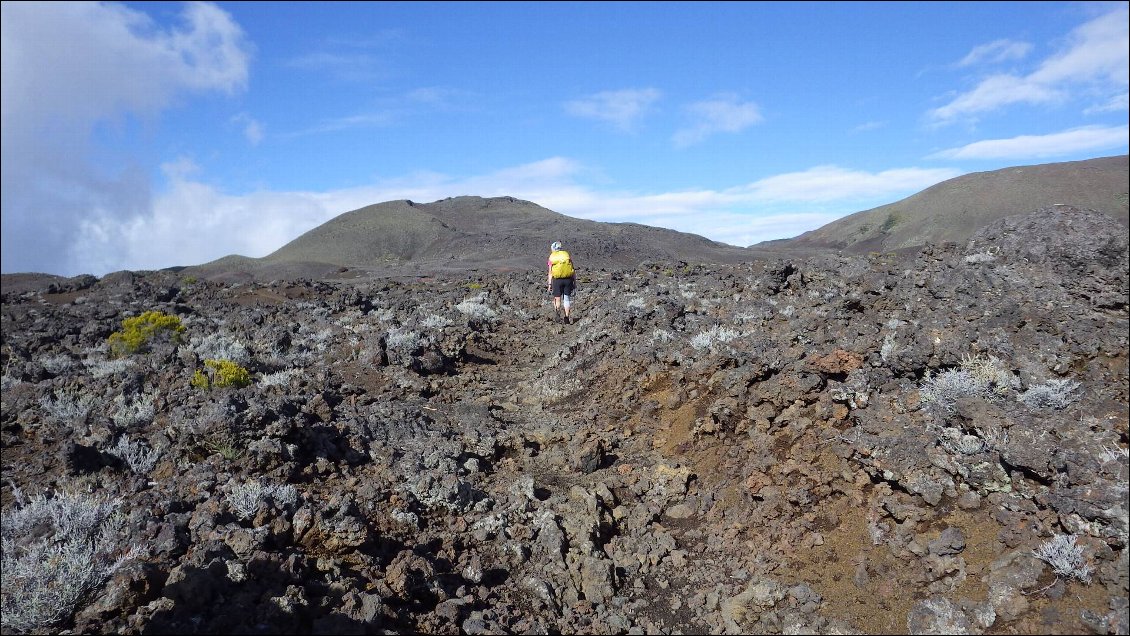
x=221, y=374
x=139, y=331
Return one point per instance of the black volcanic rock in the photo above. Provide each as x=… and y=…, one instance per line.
x=928, y=442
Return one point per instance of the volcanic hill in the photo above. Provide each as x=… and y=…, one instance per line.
x=954, y=209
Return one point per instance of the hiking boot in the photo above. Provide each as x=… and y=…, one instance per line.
x=568, y=320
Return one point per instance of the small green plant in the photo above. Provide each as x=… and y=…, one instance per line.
x=200, y=380
x=137, y=332
x=473, y=286
x=892, y=220
x=225, y=446
x=220, y=374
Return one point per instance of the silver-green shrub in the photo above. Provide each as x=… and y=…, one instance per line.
x=278, y=378
x=245, y=498
x=477, y=308
x=404, y=340
x=978, y=376
x=435, y=322
x=140, y=458
x=57, y=364
x=1053, y=394
x=706, y=339
x=56, y=551
x=1065, y=557
x=100, y=368
x=219, y=346
x=67, y=407
x=134, y=412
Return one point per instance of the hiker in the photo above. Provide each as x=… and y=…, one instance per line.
x=560, y=280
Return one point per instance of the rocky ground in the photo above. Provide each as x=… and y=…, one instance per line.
x=923, y=443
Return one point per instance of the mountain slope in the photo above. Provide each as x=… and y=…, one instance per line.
x=472, y=233
x=506, y=234
x=953, y=210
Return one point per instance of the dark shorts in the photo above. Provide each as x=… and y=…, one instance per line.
x=563, y=286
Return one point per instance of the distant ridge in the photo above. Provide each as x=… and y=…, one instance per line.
x=472, y=233
x=954, y=209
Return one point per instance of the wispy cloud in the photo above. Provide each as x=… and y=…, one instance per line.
x=833, y=183
x=1112, y=105
x=253, y=130
x=440, y=98
x=1095, y=59
x=391, y=110
x=345, y=67
x=993, y=93
x=622, y=108
x=1085, y=139
x=338, y=124
x=720, y=114
x=871, y=125
x=996, y=52
x=115, y=63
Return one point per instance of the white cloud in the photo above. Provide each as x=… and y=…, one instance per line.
x=1112, y=105
x=82, y=61
x=782, y=206
x=996, y=52
x=1098, y=53
x=868, y=126
x=253, y=129
x=348, y=122
x=1079, y=140
x=344, y=67
x=832, y=183
x=721, y=114
x=1095, y=59
x=622, y=108
x=993, y=93
x=436, y=96
x=195, y=223
x=68, y=67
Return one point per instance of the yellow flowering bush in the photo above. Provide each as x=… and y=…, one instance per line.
x=220, y=374
x=138, y=331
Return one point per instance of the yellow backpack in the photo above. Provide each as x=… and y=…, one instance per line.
x=561, y=264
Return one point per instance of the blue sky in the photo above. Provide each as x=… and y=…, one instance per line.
x=148, y=135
